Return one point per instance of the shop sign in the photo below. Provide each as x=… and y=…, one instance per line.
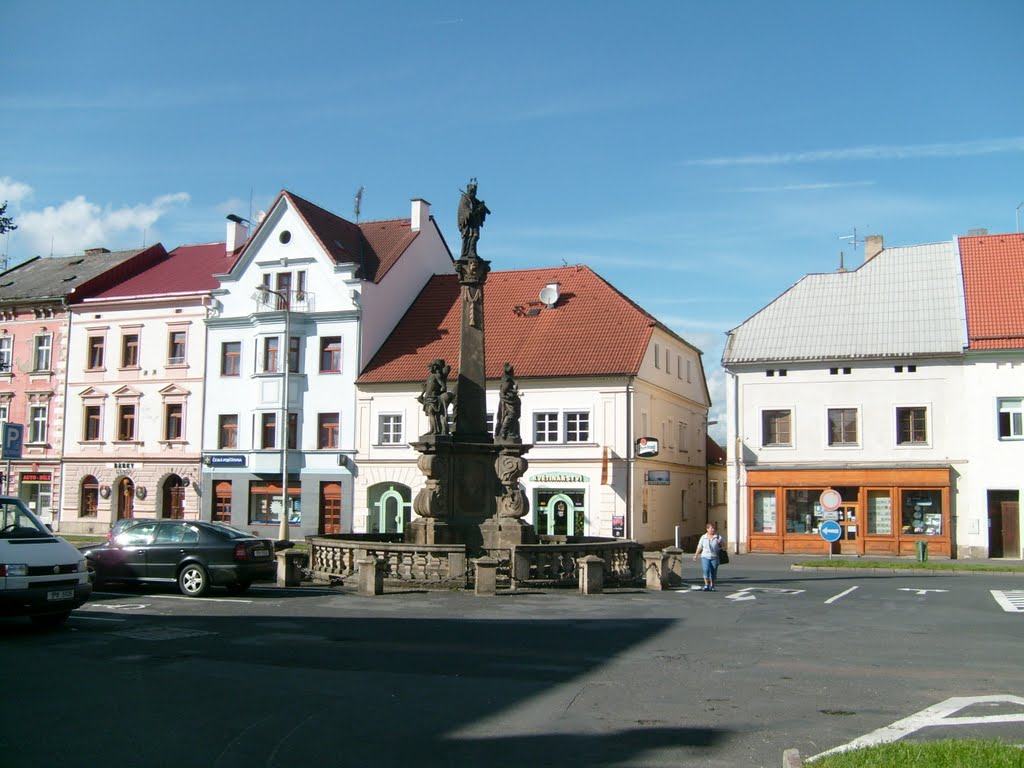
x=659, y=477
x=225, y=460
x=124, y=465
x=36, y=477
x=646, y=447
x=559, y=477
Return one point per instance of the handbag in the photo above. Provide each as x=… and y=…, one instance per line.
x=723, y=557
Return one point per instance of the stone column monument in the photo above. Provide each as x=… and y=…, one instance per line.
x=472, y=493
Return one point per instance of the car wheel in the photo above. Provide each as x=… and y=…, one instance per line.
x=94, y=577
x=238, y=587
x=50, y=620
x=193, y=580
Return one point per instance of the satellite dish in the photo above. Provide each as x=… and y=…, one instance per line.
x=260, y=217
x=549, y=294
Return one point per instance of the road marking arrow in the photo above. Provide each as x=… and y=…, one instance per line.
x=921, y=591
x=745, y=593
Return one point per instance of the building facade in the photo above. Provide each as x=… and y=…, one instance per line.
x=595, y=373
x=310, y=298
x=136, y=386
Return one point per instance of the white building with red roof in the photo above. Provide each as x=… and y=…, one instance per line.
x=322, y=293
x=596, y=373
x=897, y=385
x=136, y=384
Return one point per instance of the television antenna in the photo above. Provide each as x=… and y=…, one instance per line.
x=359, y=202
x=854, y=239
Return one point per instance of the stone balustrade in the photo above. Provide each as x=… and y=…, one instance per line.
x=337, y=559
x=553, y=563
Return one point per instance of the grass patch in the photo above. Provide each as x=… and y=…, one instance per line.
x=908, y=565
x=949, y=753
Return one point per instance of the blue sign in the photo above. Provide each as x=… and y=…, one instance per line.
x=225, y=460
x=830, y=530
x=13, y=439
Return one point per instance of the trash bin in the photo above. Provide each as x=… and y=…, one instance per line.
x=922, y=550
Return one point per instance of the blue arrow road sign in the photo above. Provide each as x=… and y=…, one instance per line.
x=830, y=530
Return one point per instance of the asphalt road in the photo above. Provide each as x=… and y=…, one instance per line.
x=314, y=676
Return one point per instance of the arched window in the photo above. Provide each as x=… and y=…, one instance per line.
x=89, y=497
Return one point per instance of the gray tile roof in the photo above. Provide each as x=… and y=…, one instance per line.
x=907, y=301
x=56, y=276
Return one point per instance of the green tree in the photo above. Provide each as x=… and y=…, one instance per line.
x=6, y=222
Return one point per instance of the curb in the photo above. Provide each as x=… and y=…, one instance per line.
x=913, y=571
x=791, y=759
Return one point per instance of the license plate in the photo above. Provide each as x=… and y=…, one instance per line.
x=61, y=594
x=260, y=553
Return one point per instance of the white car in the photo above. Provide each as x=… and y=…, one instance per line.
x=41, y=575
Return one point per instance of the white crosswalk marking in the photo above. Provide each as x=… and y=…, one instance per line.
x=1011, y=600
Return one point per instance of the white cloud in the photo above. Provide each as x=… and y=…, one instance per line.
x=872, y=152
x=78, y=224
x=13, y=191
x=810, y=187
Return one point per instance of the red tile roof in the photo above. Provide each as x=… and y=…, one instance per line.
x=993, y=269
x=375, y=245
x=593, y=330
x=186, y=269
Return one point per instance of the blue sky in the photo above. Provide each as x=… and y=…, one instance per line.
x=701, y=156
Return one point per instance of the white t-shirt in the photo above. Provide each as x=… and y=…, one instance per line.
x=709, y=546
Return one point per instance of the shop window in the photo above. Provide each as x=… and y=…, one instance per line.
x=879, y=513
x=922, y=512
x=1011, y=418
x=90, y=498
x=803, y=510
x=842, y=426
x=561, y=513
x=390, y=507
x=227, y=430
x=776, y=428
x=765, y=519
x=265, y=503
x=912, y=426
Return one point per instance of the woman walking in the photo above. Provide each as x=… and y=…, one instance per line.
x=708, y=547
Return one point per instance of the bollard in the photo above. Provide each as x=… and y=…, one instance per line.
x=922, y=550
x=289, y=568
x=652, y=570
x=371, y=576
x=672, y=566
x=591, y=570
x=486, y=576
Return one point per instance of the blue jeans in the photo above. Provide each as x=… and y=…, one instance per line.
x=709, y=565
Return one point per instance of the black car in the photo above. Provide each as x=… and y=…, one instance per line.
x=196, y=555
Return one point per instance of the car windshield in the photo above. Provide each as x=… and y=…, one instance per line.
x=16, y=522
x=231, y=532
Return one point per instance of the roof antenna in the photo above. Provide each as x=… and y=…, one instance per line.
x=856, y=240
x=359, y=203
x=842, y=267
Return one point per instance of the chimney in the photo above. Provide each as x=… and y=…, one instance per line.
x=420, y=213
x=238, y=233
x=980, y=231
x=872, y=247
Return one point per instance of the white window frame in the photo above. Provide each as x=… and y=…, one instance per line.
x=42, y=352
x=38, y=420
x=390, y=429
x=1014, y=406
x=6, y=354
x=541, y=437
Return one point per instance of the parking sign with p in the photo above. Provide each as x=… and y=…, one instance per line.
x=13, y=439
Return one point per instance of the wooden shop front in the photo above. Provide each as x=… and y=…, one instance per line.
x=882, y=512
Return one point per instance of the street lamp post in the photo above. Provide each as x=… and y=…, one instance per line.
x=285, y=356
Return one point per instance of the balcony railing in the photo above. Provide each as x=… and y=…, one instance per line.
x=274, y=300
